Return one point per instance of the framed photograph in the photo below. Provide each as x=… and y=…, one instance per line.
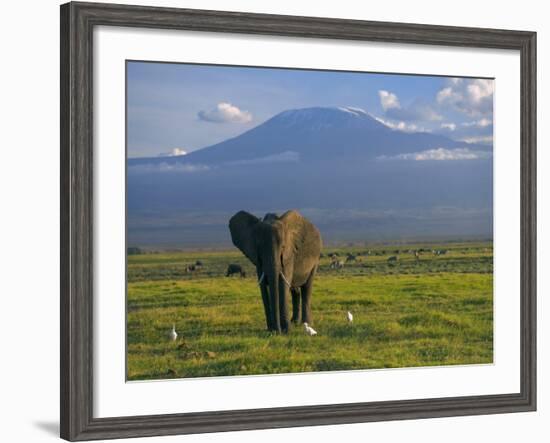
x=272, y=221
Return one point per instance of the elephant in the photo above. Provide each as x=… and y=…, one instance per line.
x=285, y=251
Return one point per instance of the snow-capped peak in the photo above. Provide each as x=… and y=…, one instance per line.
x=325, y=118
x=354, y=111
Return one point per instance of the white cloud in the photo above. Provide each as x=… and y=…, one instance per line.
x=447, y=95
x=225, y=113
x=401, y=125
x=480, y=89
x=168, y=167
x=481, y=139
x=440, y=154
x=283, y=157
x=449, y=126
x=388, y=100
x=478, y=131
x=481, y=123
x=176, y=152
x=417, y=111
x=473, y=97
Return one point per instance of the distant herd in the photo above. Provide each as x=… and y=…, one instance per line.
x=336, y=261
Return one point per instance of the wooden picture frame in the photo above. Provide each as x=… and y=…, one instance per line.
x=77, y=23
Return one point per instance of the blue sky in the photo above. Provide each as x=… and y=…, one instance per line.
x=176, y=108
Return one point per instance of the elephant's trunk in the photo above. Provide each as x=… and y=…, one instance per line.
x=274, y=299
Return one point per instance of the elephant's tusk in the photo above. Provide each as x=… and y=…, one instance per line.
x=285, y=280
x=261, y=279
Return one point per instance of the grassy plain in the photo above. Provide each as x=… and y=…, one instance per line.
x=435, y=310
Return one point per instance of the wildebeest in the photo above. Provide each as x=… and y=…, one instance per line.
x=350, y=258
x=235, y=269
x=199, y=264
x=392, y=259
x=191, y=268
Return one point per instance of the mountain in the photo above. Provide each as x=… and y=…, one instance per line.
x=313, y=134
x=352, y=175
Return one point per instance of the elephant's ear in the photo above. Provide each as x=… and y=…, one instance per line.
x=241, y=227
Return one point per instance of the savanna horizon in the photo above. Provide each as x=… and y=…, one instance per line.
x=330, y=245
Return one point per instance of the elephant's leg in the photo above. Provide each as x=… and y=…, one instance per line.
x=307, y=290
x=295, y=305
x=283, y=304
x=267, y=309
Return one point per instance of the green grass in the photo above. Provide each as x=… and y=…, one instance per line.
x=434, y=311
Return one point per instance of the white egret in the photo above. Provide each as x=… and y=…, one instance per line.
x=309, y=330
x=350, y=317
x=173, y=334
